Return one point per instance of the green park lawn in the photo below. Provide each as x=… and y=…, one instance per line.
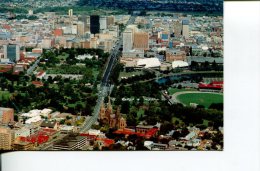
x=63, y=56
x=205, y=99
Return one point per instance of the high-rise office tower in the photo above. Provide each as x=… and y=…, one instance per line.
x=177, y=28
x=70, y=12
x=127, y=40
x=81, y=28
x=94, y=24
x=185, y=28
x=12, y=52
x=103, y=23
x=110, y=20
x=141, y=40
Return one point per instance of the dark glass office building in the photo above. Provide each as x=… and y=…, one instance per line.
x=12, y=52
x=94, y=24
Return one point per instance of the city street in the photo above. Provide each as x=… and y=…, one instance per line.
x=104, y=87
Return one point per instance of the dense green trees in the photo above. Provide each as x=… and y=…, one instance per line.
x=65, y=95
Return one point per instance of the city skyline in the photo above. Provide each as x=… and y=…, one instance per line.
x=136, y=81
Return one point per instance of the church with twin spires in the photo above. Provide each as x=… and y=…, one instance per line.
x=111, y=118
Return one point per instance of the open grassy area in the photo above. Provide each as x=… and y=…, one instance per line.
x=175, y=90
x=205, y=99
x=63, y=56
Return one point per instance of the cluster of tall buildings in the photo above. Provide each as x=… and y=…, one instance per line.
x=50, y=30
x=171, y=40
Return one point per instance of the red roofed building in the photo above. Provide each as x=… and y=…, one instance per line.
x=42, y=136
x=147, y=133
x=7, y=27
x=39, y=139
x=40, y=74
x=104, y=142
x=37, y=83
x=214, y=85
x=58, y=32
x=37, y=50
x=151, y=133
x=5, y=68
x=128, y=132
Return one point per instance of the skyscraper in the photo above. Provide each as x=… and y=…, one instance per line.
x=177, y=28
x=70, y=12
x=141, y=40
x=12, y=52
x=110, y=20
x=94, y=24
x=185, y=28
x=103, y=23
x=127, y=40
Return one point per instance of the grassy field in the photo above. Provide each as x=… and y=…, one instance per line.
x=175, y=90
x=205, y=99
x=63, y=56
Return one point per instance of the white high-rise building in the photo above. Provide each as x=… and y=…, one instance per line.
x=103, y=23
x=70, y=12
x=127, y=40
x=185, y=28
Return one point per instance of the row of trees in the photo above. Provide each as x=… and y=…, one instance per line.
x=206, y=66
x=147, y=89
x=146, y=76
x=66, y=95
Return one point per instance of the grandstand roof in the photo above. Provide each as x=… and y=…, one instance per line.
x=149, y=62
x=176, y=64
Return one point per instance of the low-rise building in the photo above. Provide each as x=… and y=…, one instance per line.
x=5, y=138
x=70, y=142
x=22, y=146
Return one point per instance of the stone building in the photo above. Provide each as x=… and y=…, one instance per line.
x=107, y=116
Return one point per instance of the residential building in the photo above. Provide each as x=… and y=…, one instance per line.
x=5, y=138
x=6, y=115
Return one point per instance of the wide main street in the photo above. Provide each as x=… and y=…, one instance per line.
x=104, y=86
